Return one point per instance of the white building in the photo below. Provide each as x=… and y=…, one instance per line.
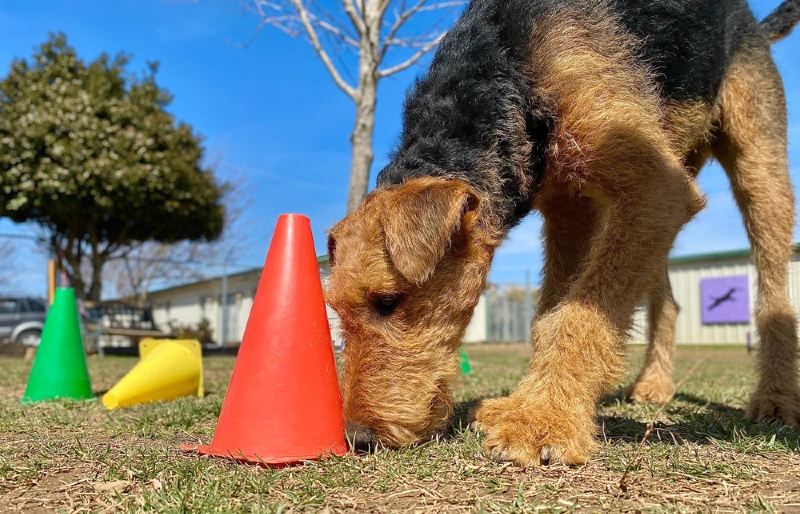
x=189, y=304
x=698, y=282
x=727, y=279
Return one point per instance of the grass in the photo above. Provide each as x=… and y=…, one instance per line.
x=701, y=456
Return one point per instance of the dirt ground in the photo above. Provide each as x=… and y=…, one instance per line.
x=702, y=456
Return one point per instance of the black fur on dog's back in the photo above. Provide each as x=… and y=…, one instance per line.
x=467, y=108
x=689, y=43
x=477, y=116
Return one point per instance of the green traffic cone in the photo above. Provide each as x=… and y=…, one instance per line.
x=463, y=361
x=59, y=370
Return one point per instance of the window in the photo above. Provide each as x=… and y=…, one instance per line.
x=8, y=306
x=34, y=306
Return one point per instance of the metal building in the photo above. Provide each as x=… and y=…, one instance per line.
x=222, y=302
x=716, y=293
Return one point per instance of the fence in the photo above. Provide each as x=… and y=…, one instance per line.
x=510, y=310
x=509, y=316
x=218, y=307
x=199, y=298
x=211, y=301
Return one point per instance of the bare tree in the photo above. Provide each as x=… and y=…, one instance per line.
x=135, y=270
x=132, y=274
x=384, y=43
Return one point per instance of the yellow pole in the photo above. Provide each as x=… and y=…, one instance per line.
x=51, y=279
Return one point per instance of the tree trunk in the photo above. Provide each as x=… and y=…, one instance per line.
x=361, y=141
x=98, y=261
x=97, y=280
x=362, y=156
x=84, y=290
x=361, y=138
x=75, y=280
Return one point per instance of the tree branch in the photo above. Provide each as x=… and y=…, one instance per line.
x=334, y=26
x=411, y=60
x=399, y=21
x=291, y=25
x=382, y=6
x=323, y=55
x=354, y=15
x=113, y=246
x=411, y=42
x=403, y=15
x=308, y=23
x=337, y=33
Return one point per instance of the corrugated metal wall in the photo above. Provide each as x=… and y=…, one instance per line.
x=685, y=278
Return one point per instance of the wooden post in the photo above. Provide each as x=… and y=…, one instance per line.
x=51, y=280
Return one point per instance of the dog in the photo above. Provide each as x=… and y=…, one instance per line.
x=599, y=114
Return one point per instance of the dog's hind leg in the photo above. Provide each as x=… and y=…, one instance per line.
x=654, y=383
x=752, y=149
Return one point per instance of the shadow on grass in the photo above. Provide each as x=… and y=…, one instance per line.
x=463, y=415
x=696, y=421
x=701, y=421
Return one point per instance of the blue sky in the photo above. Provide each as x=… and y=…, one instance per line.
x=273, y=119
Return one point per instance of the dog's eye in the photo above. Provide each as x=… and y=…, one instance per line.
x=385, y=304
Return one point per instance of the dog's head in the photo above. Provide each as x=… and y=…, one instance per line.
x=407, y=268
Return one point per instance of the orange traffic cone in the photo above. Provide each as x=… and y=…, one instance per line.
x=283, y=403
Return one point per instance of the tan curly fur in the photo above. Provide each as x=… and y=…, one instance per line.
x=747, y=135
x=617, y=187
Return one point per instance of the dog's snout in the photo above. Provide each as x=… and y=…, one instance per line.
x=360, y=438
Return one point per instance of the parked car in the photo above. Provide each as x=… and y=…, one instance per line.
x=22, y=320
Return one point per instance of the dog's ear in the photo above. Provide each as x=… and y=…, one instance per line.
x=421, y=220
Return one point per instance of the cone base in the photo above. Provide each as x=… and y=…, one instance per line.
x=253, y=458
x=26, y=400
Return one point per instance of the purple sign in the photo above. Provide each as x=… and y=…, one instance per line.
x=725, y=299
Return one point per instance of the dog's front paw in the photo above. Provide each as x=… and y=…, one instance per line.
x=650, y=390
x=519, y=432
x=774, y=404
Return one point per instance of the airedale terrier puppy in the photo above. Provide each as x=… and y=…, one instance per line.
x=600, y=115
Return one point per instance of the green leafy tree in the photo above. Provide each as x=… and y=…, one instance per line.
x=89, y=152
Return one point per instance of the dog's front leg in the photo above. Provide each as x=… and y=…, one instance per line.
x=578, y=344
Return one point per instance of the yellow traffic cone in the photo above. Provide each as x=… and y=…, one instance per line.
x=168, y=369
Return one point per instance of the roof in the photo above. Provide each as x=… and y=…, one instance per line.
x=321, y=259
x=682, y=259
x=719, y=256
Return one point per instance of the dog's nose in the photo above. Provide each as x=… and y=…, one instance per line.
x=361, y=438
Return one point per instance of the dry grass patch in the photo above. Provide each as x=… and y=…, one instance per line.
x=702, y=454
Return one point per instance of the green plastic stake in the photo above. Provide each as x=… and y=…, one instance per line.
x=59, y=370
x=463, y=361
